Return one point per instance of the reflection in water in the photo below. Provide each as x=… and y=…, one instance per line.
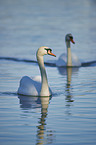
x=68, y=91
x=27, y=102
x=68, y=85
x=68, y=71
x=44, y=136
x=64, y=70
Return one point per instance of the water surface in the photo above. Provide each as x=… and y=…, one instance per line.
x=69, y=116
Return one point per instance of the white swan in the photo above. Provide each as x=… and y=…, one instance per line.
x=68, y=59
x=37, y=86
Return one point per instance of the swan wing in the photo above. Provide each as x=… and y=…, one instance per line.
x=62, y=60
x=75, y=60
x=30, y=86
x=37, y=78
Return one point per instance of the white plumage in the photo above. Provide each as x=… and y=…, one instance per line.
x=37, y=86
x=68, y=59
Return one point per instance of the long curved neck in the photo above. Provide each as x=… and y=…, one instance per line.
x=44, y=87
x=69, y=56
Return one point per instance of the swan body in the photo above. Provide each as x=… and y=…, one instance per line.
x=37, y=86
x=68, y=59
x=62, y=61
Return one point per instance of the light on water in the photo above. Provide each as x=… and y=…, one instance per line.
x=68, y=117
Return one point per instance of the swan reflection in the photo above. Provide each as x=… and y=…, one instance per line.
x=27, y=102
x=68, y=72
x=64, y=70
x=68, y=85
x=44, y=135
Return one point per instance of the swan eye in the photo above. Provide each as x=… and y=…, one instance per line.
x=71, y=37
x=48, y=50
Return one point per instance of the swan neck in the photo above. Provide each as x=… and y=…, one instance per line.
x=44, y=87
x=69, y=55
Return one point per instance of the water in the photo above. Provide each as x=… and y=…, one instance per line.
x=69, y=116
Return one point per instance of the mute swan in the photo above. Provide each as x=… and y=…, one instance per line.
x=68, y=59
x=37, y=86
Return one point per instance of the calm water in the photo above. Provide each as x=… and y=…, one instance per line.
x=69, y=116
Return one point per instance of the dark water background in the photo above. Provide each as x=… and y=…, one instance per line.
x=69, y=116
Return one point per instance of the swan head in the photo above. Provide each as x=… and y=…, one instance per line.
x=69, y=38
x=44, y=51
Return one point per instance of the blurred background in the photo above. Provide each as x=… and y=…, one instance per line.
x=27, y=25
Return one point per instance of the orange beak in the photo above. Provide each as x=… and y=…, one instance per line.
x=72, y=40
x=50, y=53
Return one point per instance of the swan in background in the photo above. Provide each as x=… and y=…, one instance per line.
x=37, y=86
x=68, y=59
